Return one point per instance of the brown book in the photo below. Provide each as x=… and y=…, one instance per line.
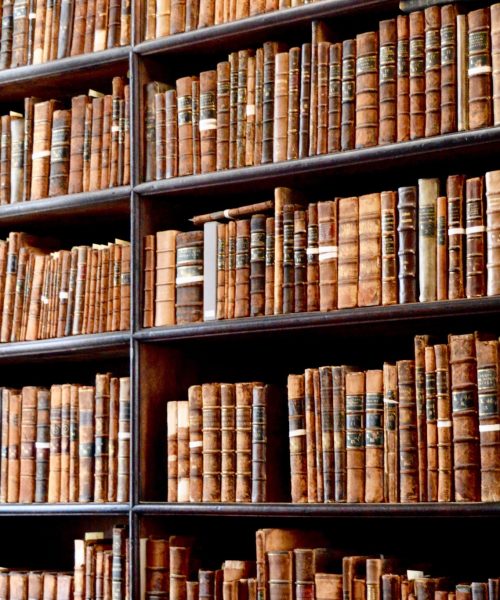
x=123, y=474
x=391, y=433
x=4, y=445
x=87, y=141
x=60, y=153
x=456, y=236
x=492, y=233
x=37, y=283
x=41, y=8
x=288, y=259
x=318, y=426
x=16, y=158
x=320, y=33
x=432, y=71
x=370, y=251
x=96, y=143
x=22, y=267
x=54, y=491
x=257, y=264
x=152, y=88
x=177, y=18
x=466, y=459
x=297, y=437
x=165, y=278
x=242, y=285
x=269, y=284
x=479, y=71
x=86, y=404
x=250, y=112
x=189, y=277
x=27, y=444
x=259, y=100
x=421, y=341
x=348, y=241
x=13, y=448
x=488, y=365
x=171, y=134
x=228, y=442
x=149, y=280
x=10, y=285
x=407, y=244
x=185, y=128
x=323, y=52
x=280, y=564
x=106, y=142
x=300, y=260
x=183, y=466
x=211, y=436
x=78, y=104
x=334, y=97
x=65, y=441
x=42, y=127
x=388, y=81
x=42, y=445
x=310, y=426
x=125, y=23
x=403, y=78
x=328, y=255
x=349, y=95
x=328, y=586
x=374, y=438
x=88, y=44
x=101, y=447
x=327, y=434
x=355, y=436
x=388, y=201
x=222, y=255
x=305, y=93
x=222, y=129
x=29, y=104
x=408, y=449
x=462, y=73
x=353, y=577
x=270, y=50
x=116, y=164
x=442, y=249
x=243, y=428
x=495, y=60
x=428, y=191
x=445, y=426
x=231, y=269
x=474, y=219
x=448, y=68
x=157, y=566
x=417, y=74
x=5, y=159
x=208, y=120
x=312, y=257
x=113, y=438
x=233, y=110
x=432, y=424
x=125, y=288
x=6, y=34
x=280, y=127
x=195, y=103
x=241, y=81
x=293, y=83
x=367, y=116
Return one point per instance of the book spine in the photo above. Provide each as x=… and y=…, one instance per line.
x=42, y=445
x=208, y=121
x=228, y=443
x=367, y=90
x=348, y=242
x=428, y=191
x=280, y=115
x=442, y=249
x=270, y=51
x=241, y=106
x=288, y=259
x=183, y=464
x=370, y=251
x=280, y=565
x=322, y=98
x=420, y=342
x=16, y=159
x=6, y=34
x=293, y=125
x=389, y=241
x=114, y=392
x=96, y=143
x=101, y=448
x=55, y=444
x=462, y=74
x=304, y=568
x=195, y=103
x=305, y=93
x=300, y=260
x=374, y=437
x=257, y=265
x=74, y=442
x=408, y=446
x=211, y=434
x=355, y=436
x=250, y=113
x=403, y=79
x=493, y=233
x=87, y=141
x=185, y=125
x=444, y=425
x=388, y=82
x=312, y=256
x=123, y=462
x=297, y=437
x=311, y=465
x=339, y=433
x=125, y=23
x=233, y=110
x=475, y=226
x=391, y=433
x=325, y=381
x=86, y=406
x=348, y=113
x=432, y=16
x=319, y=438
x=479, y=69
x=5, y=159
x=431, y=428
x=242, y=282
x=328, y=254
x=189, y=277
x=172, y=450
x=60, y=153
x=171, y=135
x=456, y=235
x=269, y=284
x=407, y=244
x=448, y=68
x=243, y=421
x=223, y=115
x=27, y=457
x=417, y=74
x=334, y=97
x=222, y=241
x=65, y=442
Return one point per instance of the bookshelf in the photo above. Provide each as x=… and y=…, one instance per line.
x=164, y=361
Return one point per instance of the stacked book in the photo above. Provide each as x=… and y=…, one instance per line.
x=290, y=564
x=37, y=31
x=69, y=443
x=167, y=17
x=434, y=241
x=45, y=294
x=51, y=150
x=225, y=444
x=426, y=429
x=428, y=73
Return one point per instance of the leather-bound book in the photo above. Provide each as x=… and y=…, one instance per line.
x=407, y=244
x=493, y=232
x=101, y=447
x=228, y=442
x=211, y=421
x=280, y=126
x=207, y=14
x=305, y=93
x=87, y=142
x=355, y=436
x=24, y=260
x=391, y=586
x=10, y=285
x=165, y=278
x=125, y=288
x=322, y=98
x=271, y=49
x=495, y=60
x=42, y=445
x=115, y=164
x=432, y=71
x=300, y=260
x=29, y=104
x=334, y=97
x=149, y=280
x=391, y=433
x=475, y=222
x=259, y=105
x=328, y=586
x=233, y=109
x=445, y=426
x=5, y=159
x=257, y=264
x=125, y=23
x=421, y=342
x=65, y=442
x=432, y=424
x=280, y=565
x=13, y=448
x=348, y=243
x=222, y=129
x=6, y=34
x=327, y=435
x=339, y=431
x=222, y=255
x=367, y=116
x=370, y=251
x=152, y=88
x=250, y=113
x=122, y=491
x=463, y=592
x=157, y=567
x=288, y=259
x=42, y=127
x=4, y=444
x=466, y=461
x=177, y=18
x=442, y=248
x=192, y=590
x=320, y=33
x=388, y=81
x=456, y=236
x=403, y=78
x=189, y=277
x=462, y=73
x=327, y=242
x=449, y=90
x=195, y=104
x=312, y=258
x=479, y=71
x=34, y=310
x=408, y=446
x=65, y=32
x=106, y=142
x=318, y=427
x=241, y=106
x=183, y=466
x=417, y=75
x=269, y=266
x=18, y=586
x=488, y=381
x=208, y=120
x=293, y=124
x=353, y=572
x=88, y=43
x=101, y=25
x=171, y=134
x=27, y=444
x=428, y=191
x=96, y=143
x=303, y=571
x=374, y=437
x=35, y=585
x=38, y=41
x=60, y=153
x=231, y=269
x=78, y=34
x=349, y=95
x=243, y=393
x=185, y=125
x=16, y=158
x=113, y=437
x=297, y=437
x=311, y=463
x=78, y=104
x=179, y=571
x=242, y=285
x=86, y=406
x=388, y=202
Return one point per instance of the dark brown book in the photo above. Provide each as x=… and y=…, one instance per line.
x=185, y=128
x=367, y=116
x=323, y=52
x=391, y=433
x=288, y=274
x=456, y=236
x=355, y=436
x=300, y=260
x=305, y=93
x=294, y=73
x=403, y=78
x=222, y=129
x=257, y=264
x=475, y=229
x=310, y=422
x=318, y=434
x=432, y=71
x=90, y=22
x=327, y=435
x=211, y=437
x=448, y=68
x=407, y=244
x=6, y=34
x=208, y=120
x=233, y=110
x=151, y=90
x=19, y=33
x=466, y=459
x=228, y=443
x=417, y=74
x=348, y=242
x=445, y=425
x=408, y=448
x=60, y=153
x=421, y=342
x=339, y=431
x=42, y=445
x=349, y=94
x=269, y=283
x=241, y=108
x=334, y=97
x=189, y=277
x=479, y=69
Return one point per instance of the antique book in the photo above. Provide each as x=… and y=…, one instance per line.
x=165, y=278
x=374, y=437
x=243, y=429
x=211, y=438
x=288, y=259
x=370, y=251
x=96, y=143
x=407, y=244
x=403, y=79
x=442, y=248
x=259, y=100
x=54, y=491
x=428, y=191
x=257, y=264
x=16, y=158
x=114, y=397
x=210, y=270
x=445, y=426
x=387, y=81
x=334, y=97
x=475, y=285
x=60, y=153
x=479, y=71
x=189, y=277
x=432, y=424
x=319, y=33
x=353, y=570
x=149, y=280
x=348, y=251
x=322, y=98
x=242, y=280
x=355, y=436
x=270, y=50
x=391, y=433
x=328, y=586
x=310, y=423
x=312, y=258
x=208, y=120
x=408, y=450
x=294, y=74
x=456, y=236
x=388, y=202
x=280, y=119
x=420, y=343
x=324, y=265
x=269, y=282
x=348, y=114
x=466, y=459
x=449, y=90
x=27, y=444
x=13, y=446
x=101, y=443
x=492, y=233
x=123, y=462
x=462, y=73
x=367, y=115
x=233, y=110
x=228, y=442
x=5, y=159
x=171, y=134
x=249, y=134
x=42, y=445
x=195, y=104
x=305, y=94
x=222, y=255
x=222, y=129
x=417, y=74
x=4, y=445
x=65, y=441
x=42, y=127
x=327, y=433
x=241, y=106
x=183, y=465
x=185, y=125
x=300, y=261
x=297, y=438
x=86, y=406
x=432, y=16
x=78, y=104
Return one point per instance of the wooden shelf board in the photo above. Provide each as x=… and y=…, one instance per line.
x=77, y=509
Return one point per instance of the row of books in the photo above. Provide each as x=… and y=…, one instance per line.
x=69, y=443
x=426, y=429
x=51, y=151
x=101, y=570
x=409, y=245
x=225, y=444
x=427, y=73
x=37, y=31
x=292, y=564
x=166, y=17
x=45, y=294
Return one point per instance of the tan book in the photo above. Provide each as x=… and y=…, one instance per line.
x=391, y=433
x=355, y=436
x=370, y=251
x=367, y=117
x=280, y=127
x=479, y=71
x=123, y=472
x=55, y=444
x=348, y=239
x=211, y=411
x=14, y=446
x=195, y=408
x=492, y=233
x=427, y=240
x=27, y=444
x=42, y=127
x=165, y=278
x=297, y=437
